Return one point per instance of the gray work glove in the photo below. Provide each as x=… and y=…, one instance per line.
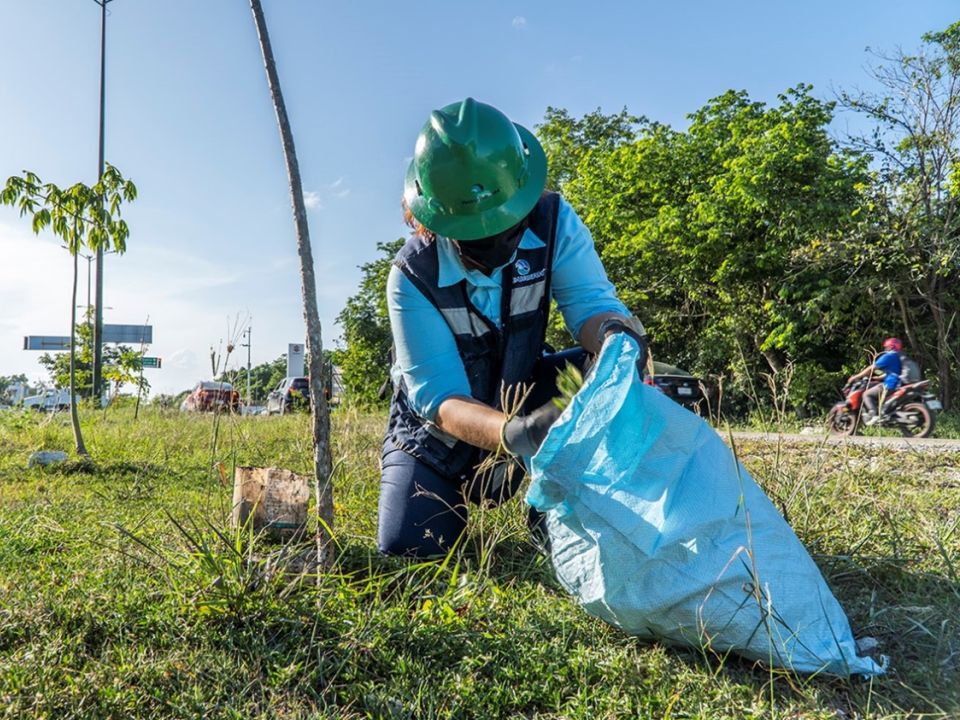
x=523, y=435
x=616, y=325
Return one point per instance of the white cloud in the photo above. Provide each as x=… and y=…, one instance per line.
x=312, y=200
x=519, y=22
x=182, y=359
x=338, y=189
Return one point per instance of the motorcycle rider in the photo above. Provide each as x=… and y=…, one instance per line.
x=887, y=362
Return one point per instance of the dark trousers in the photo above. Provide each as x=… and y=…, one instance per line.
x=422, y=513
x=871, y=397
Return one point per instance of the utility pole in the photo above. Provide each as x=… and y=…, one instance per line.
x=98, y=314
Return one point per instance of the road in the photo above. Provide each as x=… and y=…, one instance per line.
x=912, y=444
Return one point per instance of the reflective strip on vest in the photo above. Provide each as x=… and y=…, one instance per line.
x=526, y=298
x=463, y=322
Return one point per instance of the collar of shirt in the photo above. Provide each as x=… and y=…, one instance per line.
x=453, y=271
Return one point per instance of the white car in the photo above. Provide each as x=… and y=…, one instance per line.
x=48, y=401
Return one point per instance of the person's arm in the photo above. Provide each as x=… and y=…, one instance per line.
x=590, y=332
x=426, y=351
x=470, y=420
x=584, y=295
x=866, y=372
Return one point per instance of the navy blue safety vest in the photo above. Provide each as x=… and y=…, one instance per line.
x=491, y=356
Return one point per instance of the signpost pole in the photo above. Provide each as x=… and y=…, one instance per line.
x=136, y=410
x=248, y=365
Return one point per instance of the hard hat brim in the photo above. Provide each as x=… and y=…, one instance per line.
x=477, y=226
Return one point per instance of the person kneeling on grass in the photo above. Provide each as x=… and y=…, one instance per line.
x=468, y=297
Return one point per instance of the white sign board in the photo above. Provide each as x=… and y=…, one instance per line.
x=295, y=357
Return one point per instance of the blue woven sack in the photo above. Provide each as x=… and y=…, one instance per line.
x=658, y=530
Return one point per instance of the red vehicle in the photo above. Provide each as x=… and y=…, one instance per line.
x=210, y=395
x=911, y=408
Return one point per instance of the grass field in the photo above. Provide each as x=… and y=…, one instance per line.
x=123, y=592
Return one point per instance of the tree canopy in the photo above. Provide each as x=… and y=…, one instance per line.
x=365, y=361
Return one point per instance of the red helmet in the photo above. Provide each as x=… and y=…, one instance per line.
x=892, y=343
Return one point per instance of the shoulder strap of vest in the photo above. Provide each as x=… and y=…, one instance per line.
x=416, y=250
x=544, y=225
x=542, y=221
x=543, y=218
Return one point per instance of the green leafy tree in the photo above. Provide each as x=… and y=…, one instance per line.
x=83, y=217
x=705, y=232
x=263, y=378
x=365, y=361
x=127, y=369
x=907, y=255
x=568, y=141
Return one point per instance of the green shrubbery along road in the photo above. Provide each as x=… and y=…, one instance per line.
x=123, y=592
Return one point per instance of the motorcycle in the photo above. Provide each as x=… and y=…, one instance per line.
x=911, y=408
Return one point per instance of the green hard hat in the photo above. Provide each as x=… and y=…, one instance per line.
x=474, y=172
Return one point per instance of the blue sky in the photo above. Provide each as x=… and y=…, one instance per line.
x=189, y=119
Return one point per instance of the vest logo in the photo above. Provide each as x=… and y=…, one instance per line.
x=522, y=267
x=523, y=279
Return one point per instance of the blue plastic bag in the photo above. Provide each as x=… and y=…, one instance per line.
x=657, y=529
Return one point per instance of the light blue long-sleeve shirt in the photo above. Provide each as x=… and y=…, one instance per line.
x=426, y=350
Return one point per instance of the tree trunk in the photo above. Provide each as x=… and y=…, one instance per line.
x=934, y=298
x=944, y=367
x=74, y=416
x=318, y=400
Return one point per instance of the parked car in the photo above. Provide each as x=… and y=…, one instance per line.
x=48, y=401
x=293, y=393
x=210, y=395
x=692, y=392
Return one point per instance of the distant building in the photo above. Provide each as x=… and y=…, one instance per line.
x=15, y=393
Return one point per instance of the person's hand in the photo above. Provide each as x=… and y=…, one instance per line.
x=523, y=435
x=616, y=325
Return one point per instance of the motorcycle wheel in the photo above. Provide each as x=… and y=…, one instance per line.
x=924, y=420
x=842, y=422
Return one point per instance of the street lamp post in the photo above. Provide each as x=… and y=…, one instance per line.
x=98, y=314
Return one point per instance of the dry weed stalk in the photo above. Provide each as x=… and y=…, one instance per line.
x=501, y=460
